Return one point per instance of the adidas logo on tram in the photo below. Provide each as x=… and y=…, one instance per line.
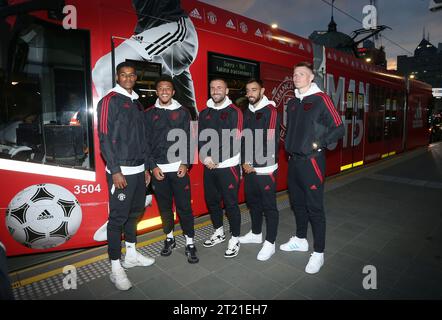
x=195, y=14
x=230, y=24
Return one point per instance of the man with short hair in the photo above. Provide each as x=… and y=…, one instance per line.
x=170, y=178
x=312, y=124
x=122, y=137
x=221, y=176
x=261, y=121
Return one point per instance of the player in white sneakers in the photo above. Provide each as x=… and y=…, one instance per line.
x=313, y=123
x=221, y=175
x=127, y=178
x=260, y=138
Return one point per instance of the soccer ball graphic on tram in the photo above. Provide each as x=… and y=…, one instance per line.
x=43, y=216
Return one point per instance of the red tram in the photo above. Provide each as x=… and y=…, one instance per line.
x=57, y=60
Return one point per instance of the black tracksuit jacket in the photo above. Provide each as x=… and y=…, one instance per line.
x=121, y=130
x=159, y=122
x=312, y=120
x=228, y=118
x=264, y=119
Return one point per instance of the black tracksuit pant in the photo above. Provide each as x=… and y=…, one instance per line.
x=260, y=190
x=174, y=188
x=125, y=206
x=306, y=191
x=222, y=184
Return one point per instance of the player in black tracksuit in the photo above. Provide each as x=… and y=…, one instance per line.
x=223, y=122
x=171, y=180
x=260, y=162
x=313, y=123
x=122, y=137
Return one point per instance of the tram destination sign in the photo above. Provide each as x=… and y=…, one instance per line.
x=227, y=66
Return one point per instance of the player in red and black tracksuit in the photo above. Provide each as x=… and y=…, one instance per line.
x=122, y=137
x=221, y=123
x=169, y=163
x=259, y=156
x=313, y=123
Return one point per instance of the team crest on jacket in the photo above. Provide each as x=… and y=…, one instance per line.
x=121, y=196
x=258, y=115
x=174, y=115
x=126, y=105
x=308, y=106
x=224, y=115
x=155, y=117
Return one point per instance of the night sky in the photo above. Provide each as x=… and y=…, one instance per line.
x=406, y=18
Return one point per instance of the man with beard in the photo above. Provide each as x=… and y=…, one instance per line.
x=221, y=177
x=261, y=124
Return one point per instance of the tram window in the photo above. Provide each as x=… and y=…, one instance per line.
x=236, y=72
x=45, y=97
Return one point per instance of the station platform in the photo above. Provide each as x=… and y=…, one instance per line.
x=387, y=215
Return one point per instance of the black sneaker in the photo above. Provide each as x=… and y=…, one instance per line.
x=169, y=244
x=191, y=254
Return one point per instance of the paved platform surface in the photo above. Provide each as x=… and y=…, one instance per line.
x=387, y=216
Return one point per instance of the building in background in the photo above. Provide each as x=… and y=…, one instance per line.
x=425, y=65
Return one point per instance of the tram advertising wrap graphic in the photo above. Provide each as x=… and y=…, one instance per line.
x=43, y=216
x=53, y=73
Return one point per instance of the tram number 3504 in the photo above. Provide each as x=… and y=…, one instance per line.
x=87, y=188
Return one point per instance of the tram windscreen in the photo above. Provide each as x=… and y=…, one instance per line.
x=45, y=98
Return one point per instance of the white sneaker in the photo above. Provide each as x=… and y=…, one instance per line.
x=315, y=263
x=251, y=237
x=268, y=249
x=232, y=249
x=119, y=278
x=214, y=239
x=138, y=261
x=295, y=244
